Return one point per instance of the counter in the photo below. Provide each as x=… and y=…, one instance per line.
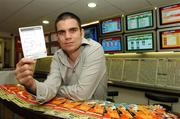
x=25, y=112
x=20, y=101
x=142, y=87
x=7, y=76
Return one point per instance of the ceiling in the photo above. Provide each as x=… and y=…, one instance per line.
x=20, y=13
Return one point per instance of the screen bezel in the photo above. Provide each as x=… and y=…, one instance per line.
x=113, y=51
x=96, y=26
x=159, y=17
x=114, y=32
x=140, y=50
x=144, y=28
x=159, y=39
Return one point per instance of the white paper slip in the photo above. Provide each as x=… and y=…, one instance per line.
x=33, y=42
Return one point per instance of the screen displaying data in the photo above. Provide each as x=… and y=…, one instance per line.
x=139, y=20
x=112, y=44
x=140, y=42
x=91, y=32
x=170, y=14
x=170, y=39
x=111, y=25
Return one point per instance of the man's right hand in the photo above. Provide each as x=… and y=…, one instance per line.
x=24, y=73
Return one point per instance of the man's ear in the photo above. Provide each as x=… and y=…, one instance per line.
x=82, y=33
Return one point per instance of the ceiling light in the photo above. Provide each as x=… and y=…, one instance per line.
x=45, y=22
x=95, y=22
x=92, y=5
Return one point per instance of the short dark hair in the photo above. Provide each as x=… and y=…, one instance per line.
x=66, y=15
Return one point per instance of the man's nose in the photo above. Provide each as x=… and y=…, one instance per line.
x=67, y=35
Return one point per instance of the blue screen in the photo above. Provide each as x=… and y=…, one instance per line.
x=111, y=44
x=91, y=32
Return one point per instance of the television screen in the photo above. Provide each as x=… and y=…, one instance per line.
x=169, y=15
x=169, y=39
x=112, y=25
x=91, y=31
x=112, y=44
x=140, y=42
x=140, y=21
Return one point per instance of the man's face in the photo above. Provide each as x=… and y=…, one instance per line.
x=69, y=35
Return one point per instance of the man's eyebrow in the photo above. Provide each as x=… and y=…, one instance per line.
x=68, y=29
x=60, y=30
x=73, y=28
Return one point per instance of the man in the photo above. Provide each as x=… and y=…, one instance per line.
x=78, y=69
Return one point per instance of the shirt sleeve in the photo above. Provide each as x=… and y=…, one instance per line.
x=93, y=70
x=46, y=90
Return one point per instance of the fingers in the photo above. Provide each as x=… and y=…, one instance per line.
x=24, y=71
x=25, y=81
x=25, y=61
x=25, y=67
x=23, y=74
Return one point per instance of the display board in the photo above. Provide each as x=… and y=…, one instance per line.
x=140, y=42
x=140, y=21
x=169, y=16
x=111, y=26
x=92, y=31
x=169, y=39
x=112, y=44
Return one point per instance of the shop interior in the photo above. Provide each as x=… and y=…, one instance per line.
x=140, y=38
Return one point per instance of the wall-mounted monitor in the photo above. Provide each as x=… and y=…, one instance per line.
x=140, y=42
x=111, y=26
x=112, y=44
x=140, y=21
x=168, y=15
x=92, y=31
x=169, y=39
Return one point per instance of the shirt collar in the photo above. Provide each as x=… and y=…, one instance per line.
x=85, y=41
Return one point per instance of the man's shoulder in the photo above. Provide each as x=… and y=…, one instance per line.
x=92, y=43
x=92, y=47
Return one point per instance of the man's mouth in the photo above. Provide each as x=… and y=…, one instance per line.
x=67, y=44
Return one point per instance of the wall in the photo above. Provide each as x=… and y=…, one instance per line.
x=8, y=47
x=9, y=51
x=1, y=52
